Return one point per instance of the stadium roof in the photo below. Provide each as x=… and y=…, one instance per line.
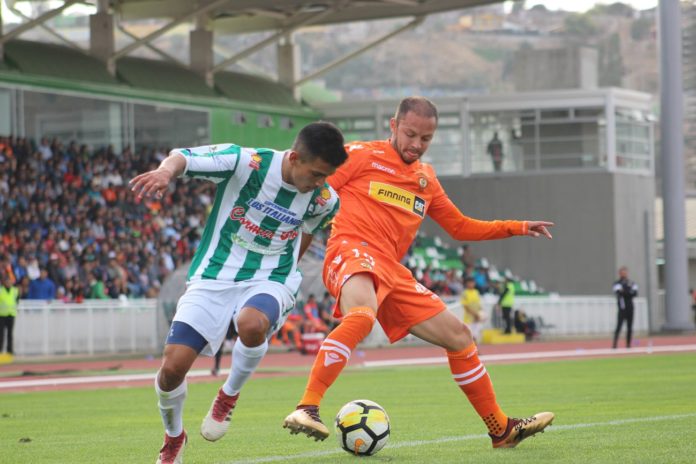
x=60, y=62
x=221, y=16
x=240, y=16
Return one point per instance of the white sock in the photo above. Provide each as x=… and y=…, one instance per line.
x=171, y=406
x=244, y=363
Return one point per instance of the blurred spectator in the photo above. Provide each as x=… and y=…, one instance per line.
x=506, y=302
x=226, y=343
x=480, y=276
x=471, y=304
x=625, y=290
x=97, y=290
x=326, y=309
x=42, y=288
x=524, y=325
x=313, y=320
x=291, y=331
x=467, y=258
x=453, y=284
x=64, y=208
x=9, y=296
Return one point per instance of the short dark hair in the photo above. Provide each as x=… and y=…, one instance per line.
x=419, y=105
x=321, y=140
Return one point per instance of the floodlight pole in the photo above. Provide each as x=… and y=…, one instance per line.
x=677, y=306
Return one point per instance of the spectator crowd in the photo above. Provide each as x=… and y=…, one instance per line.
x=70, y=228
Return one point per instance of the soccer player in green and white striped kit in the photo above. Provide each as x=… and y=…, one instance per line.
x=267, y=206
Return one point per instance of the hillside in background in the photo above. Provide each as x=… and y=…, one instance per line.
x=472, y=51
x=468, y=51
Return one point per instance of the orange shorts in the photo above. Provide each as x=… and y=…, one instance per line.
x=402, y=301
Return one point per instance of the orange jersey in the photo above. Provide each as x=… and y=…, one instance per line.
x=384, y=201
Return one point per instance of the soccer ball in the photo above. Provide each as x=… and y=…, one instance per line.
x=362, y=427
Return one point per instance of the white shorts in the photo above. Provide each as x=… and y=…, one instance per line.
x=209, y=305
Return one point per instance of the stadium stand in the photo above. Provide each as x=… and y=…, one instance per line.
x=441, y=268
x=67, y=209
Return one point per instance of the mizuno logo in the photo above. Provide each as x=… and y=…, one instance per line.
x=331, y=358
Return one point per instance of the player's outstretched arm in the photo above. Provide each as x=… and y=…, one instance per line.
x=539, y=228
x=155, y=182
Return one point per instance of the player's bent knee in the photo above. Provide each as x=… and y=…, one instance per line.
x=460, y=338
x=252, y=329
x=170, y=376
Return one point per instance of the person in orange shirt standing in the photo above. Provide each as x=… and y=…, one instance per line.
x=386, y=192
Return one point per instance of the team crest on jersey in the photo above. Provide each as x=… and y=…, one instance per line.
x=255, y=162
x=323, y=196
x=422, y=182
x=395, y=196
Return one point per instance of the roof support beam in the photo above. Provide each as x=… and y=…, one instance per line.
x=51, y=31
x=339, y=61
x=269, y=40
x=159, y=51
x=160, y=32
x=35, y=22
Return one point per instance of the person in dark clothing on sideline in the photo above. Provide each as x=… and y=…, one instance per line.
x=625, y=291
x=506, y=303
x=229, y=336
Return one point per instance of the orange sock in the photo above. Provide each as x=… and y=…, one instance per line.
x=335, y=351
x=471, y=376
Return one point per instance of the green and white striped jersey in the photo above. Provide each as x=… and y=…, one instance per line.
x=257, y=219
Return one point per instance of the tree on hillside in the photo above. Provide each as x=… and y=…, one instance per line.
x=580, y=25
x=615, y=9
x=641, y=28
x=611, y=67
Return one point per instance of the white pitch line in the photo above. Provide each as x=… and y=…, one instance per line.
x=93, y=379
x=414, y=443
x=28, y=383
x=580, y=352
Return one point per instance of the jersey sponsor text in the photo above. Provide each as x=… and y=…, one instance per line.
x=396, y=196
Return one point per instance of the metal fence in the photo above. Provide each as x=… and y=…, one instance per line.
x=113, y=326
x=556, y=316
x=95, y=326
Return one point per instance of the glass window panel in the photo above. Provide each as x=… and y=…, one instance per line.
x=554, y=114
x=569, y=145
x=6, y=112
x=239, y=118
x=94, y=122
x=509, y=129
x=446, y=152
x=363, y=124
x=448, y=120
x=170, y=127
x=588, y=112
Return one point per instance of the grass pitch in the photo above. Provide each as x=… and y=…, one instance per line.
x=638, y=409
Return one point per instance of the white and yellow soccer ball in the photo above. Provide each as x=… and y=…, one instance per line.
x=362, y=427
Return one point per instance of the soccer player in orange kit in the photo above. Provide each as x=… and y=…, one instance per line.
x=385, y=194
